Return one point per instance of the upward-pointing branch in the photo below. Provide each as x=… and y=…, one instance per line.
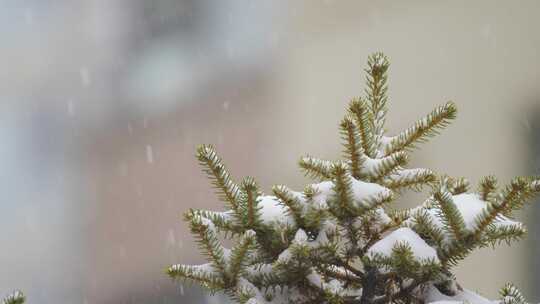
x=423, y=129
x=212, y=165
x=353, y=148
x=359, y=110
x=376, y=93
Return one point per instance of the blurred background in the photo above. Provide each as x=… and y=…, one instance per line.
x=103, y=103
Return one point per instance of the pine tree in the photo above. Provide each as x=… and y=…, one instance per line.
x=341, y=240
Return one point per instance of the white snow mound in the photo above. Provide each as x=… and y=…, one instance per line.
x=421, y=250
x=272, y=211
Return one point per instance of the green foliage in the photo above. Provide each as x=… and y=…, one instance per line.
x=353, y=146
x=205, y=277
x=238, y=256
x=341, y=204
x=203, y=229
x=317, y=246
x=293, y=204
x=511, y=295
x=249, y=203
x=316, y=168
x=388, y=164
x=376, y=80
x=424, y=226
x=487, y=187
x=410, y=179
x=450, y=215
x=359, y=111
x=212, y=165
x=423, y=129
x=16, y=297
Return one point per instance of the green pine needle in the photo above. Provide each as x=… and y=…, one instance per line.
x=353, y=147
x=217, y=172
x=343, y=200
x=17, y=297
x=209, y=244
x=250, y=193
x=316, y=168
x=293, y=204
x=487, y=187
x=239, y=254
x=388, y=165
x=511, y=295
x=360, y=112
x=423, y=129
x=414, y=179
x=450, y=215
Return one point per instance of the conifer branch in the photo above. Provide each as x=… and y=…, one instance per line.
x=342, y=205
x=265, y=276
x=387, y=165
x=245, y=296
x=425, y=227
x=402, y=261
x=495, y=234
x=449, y=214
x=487, y=188
x=209, y=244
x=511, y=295
x=373, y=202
x=488, y=215
x=340, y=273
x=202, y=274
x=413, y=179
x=423, y=129
x=512, y=198
x=314, y=216
x=316, y=168
x=315, y=212
x=217, y=172
x=239, y=254
x=359, y=110
x=459, y=185
x=353, y=148
x=454, y=253
x=376, y=80
x=17, y=297
x=343, y=199
x=223, y=221
x=293, y=204
x=250, y=193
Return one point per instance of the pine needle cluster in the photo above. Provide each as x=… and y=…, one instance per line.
x=15, y=297
x=341, y=240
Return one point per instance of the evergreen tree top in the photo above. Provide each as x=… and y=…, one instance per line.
x=341, y=240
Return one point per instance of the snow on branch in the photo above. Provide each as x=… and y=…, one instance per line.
x=340, y=239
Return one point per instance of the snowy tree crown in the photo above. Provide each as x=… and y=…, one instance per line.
x=340, y=240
